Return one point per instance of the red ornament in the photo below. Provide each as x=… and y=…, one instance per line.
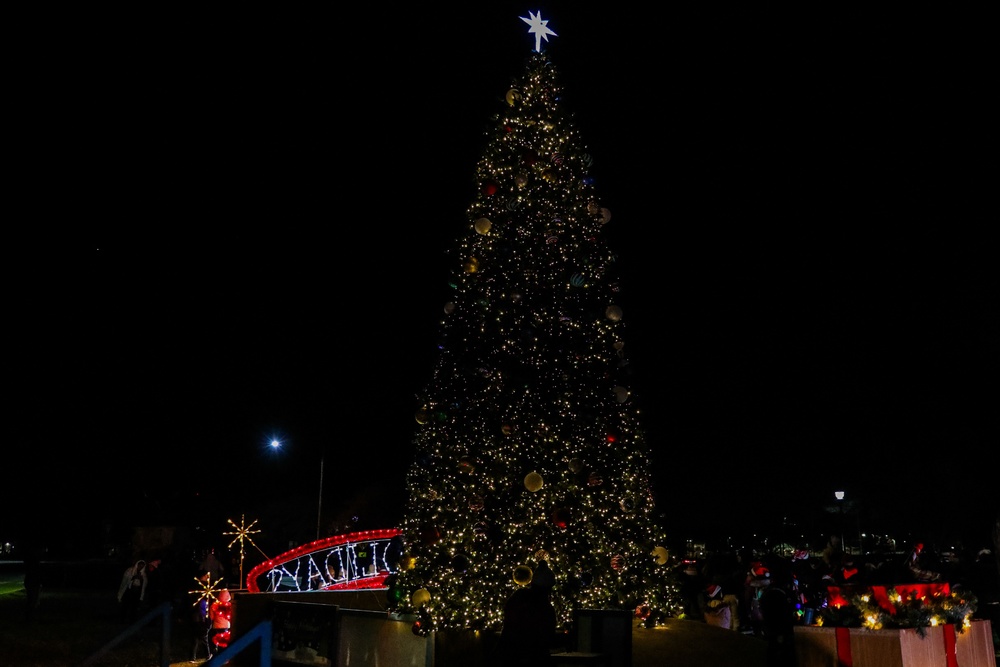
x=430, y=535
x=490, y=188
x=561, y=518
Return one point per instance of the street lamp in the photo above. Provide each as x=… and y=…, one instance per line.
x=276, y=444
x=319, y=507
x=839, y=495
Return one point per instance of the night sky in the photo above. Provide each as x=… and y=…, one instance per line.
x=237, y=225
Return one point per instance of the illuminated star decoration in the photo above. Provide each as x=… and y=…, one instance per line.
x=242, y=534
x=539, y=27
x=208, y=589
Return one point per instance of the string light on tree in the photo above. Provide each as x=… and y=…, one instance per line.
x=528, y=437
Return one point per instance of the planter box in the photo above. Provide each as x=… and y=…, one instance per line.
x=858, y=647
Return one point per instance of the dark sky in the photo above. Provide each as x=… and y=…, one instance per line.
x=238, y=226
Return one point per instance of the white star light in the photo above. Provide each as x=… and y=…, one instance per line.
x=539, y=27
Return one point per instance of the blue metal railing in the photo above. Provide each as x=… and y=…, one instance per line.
x=261, y=632
x=164, y=612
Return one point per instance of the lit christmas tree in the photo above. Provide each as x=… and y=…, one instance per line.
x=528, y=444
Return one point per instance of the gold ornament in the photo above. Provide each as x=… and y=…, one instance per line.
x=660, y=555
x=483, y=226
x=420, y=597
x=533, y=481
x=522, y=575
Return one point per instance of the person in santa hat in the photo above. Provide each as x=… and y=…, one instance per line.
x=721, y=610
x=922, y=564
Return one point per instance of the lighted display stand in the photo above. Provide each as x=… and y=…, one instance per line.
x=304, y=634
x=942, y=645
x=352, y=561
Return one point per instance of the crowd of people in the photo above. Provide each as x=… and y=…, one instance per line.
x=767, y=594
x=146, y=584
x=729, y=587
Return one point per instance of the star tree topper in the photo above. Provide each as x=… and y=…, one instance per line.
x=539, y=27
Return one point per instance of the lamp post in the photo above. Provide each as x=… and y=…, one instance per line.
x=276, y=444
x=319, y=507
x=839, y=495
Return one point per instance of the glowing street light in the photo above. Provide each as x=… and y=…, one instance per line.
x=276, y=444
x=839, y=495
x=319, y=507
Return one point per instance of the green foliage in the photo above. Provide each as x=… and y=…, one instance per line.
x=905, y=611
x=847, y=616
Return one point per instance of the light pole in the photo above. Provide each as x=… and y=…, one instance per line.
x=276, y=444
x=839, y=495
x=319, y=507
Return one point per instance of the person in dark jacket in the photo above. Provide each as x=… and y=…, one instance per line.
x=777, y=609
x=529, y=622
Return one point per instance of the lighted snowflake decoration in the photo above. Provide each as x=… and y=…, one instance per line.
x=208, y=589
x=243, y=534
